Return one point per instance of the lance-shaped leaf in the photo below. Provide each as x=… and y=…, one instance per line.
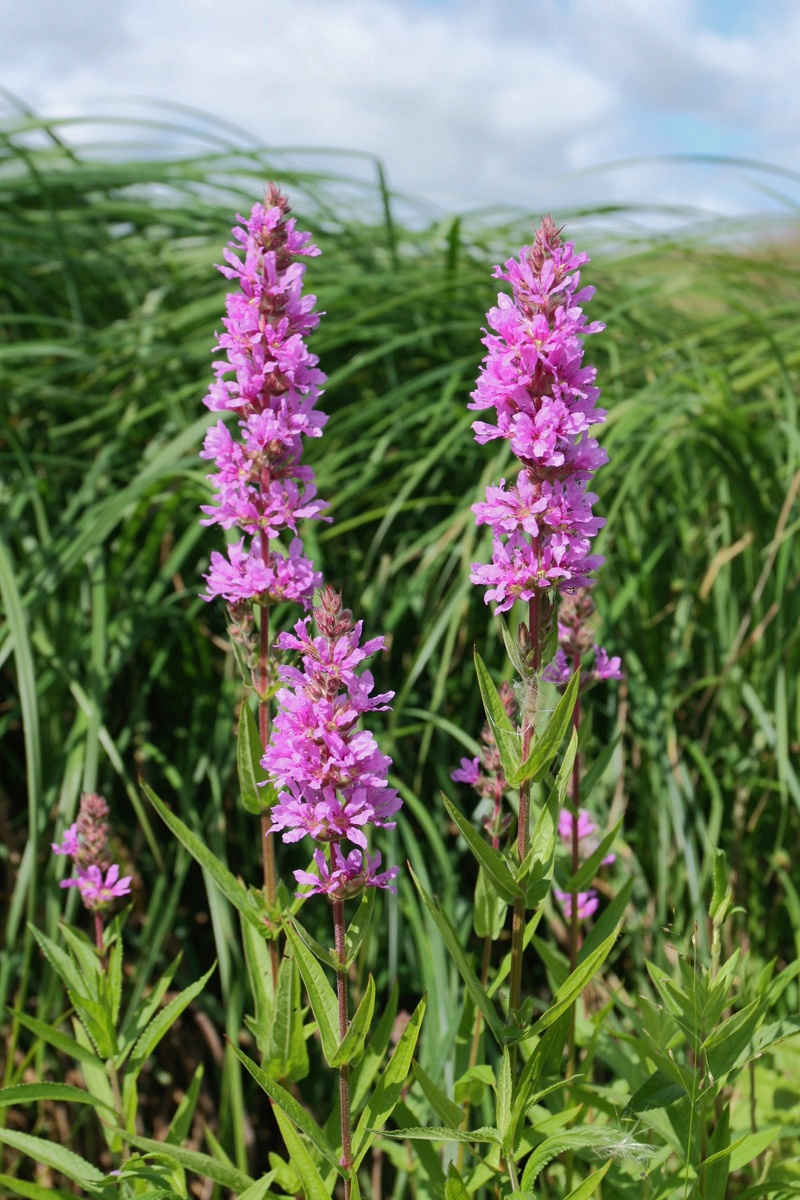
x=506, y=737
x=366, y=1070
x=54, y=1037
x=595, y=772
x=608, y=920
x=160, y=1024
x=32, y=1191
x=588, y=869
x=249, y=752
x=474, y=986
x=191, y=1160
x=513, y=649
x=590, y=1184
x=604, y=1139
x=51, y=1154
x=442, y=1105
x=545, y=746
x=490, y=910
x=659, y=1091
x=490, y=859
x=505, y=1095
x=536, y=871
x=441, y=1133
x=310, y=1179
x=574, y=984
x=323, y=954
x=232, y=889
x=287, y=1055
x=321, y=995
x=352, y=1043
x=294, y=1110
x=454, y=1187
x=33, y=1093
x=381, y=1103
x=357, y=929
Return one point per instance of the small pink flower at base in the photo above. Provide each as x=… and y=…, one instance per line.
x=96, y=892
x=348, y=876
x=69, y=843
x=587, y=903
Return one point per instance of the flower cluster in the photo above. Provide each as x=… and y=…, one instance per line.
x=333, y=774
x=260, y=485
x=86, y=843
x=484, y=773
x=576, y=640
x=545, y=401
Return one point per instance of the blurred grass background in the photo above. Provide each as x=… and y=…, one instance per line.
x=111, y=665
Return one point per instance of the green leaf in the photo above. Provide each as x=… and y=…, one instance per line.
x=588, y=869
x=59, y=960
x=352, y=1043
x=506, y=737
x=489, y=914
x=587, y=1138
x=473, y=1083
x=322, y=953
x=476, y=990
x=367, y=1068
x=512, y=648
x=287, y=1056
x=112, y=981
x=537, y=869
x=190, y=1160
x=505, y=1090
x=181, y=1124
x=357, y=929
x=227, y=883
x=442, y=1133
x=382, y=1102
x=32, y=1093
x=490, y=859
x=312, y=1182
x=161, y=1023
x=659, y=1091
x=725, y=1043
x=85, y=954
x=546, y=745
x=260, y=1190
x=545, y=1058
x=590, y=1184
x=51, y=1154
x=249, y=752
x=294, y=1110
x=716, y=1167
x=574, y=984
x=595, y=772
x=54, y=1037
x=722, y=896
x=32, y=1191
x=321, y=995
x=441, y=1104
x=259, y=974
x=454, y=1188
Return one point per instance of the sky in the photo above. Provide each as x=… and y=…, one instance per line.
x=535, y=104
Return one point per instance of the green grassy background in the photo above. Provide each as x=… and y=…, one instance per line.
x=111, y=665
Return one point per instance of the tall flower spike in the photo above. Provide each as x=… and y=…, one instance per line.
x=545, y=402
x=260, y=485
x=333, y=774
x=86, y=843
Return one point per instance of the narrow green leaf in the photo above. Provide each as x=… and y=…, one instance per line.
x=323, y=1000
x=546, y=745
x=233, y=891
x=588, y=869
x=512, y=648
x=54, y=1037
x=490, y=910
x=590, y=1184
x=162, y=1022
x=476, y=990
x=51, y=1154
x=441, y=1104
x=716, y=1166
x=602, y=1138
x=505, y=1091
x=190, y=1160
x=382, y=1102
x=489, y=859
x=352, y=1043
x=32, y=1093
x=32, y=1191
x=595, y=772
x=322, y=953
x=312, y=1182
x=294, y=1110
x=574, y=984
x=725, y=1044
x=506, y=737
x=85, y=954
x=442, y=1133
x=181, y=1124
x=357, y=929
x=287, y=1055
x=659, y=1091
x=366, y=1070
x=249, y=752
x=260, y=1190
x=537, y=869
x=59, y=960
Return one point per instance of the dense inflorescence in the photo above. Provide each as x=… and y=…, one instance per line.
x=545, y=402
x=332, y=775
x=86, y=843
x=260, y=485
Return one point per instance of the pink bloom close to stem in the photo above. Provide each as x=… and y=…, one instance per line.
x=588, y=903
x=98, y=891
x=348, y=876
x=86, y=843
x=588, y=840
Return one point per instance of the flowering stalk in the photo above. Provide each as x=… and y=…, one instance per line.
x=542, y=523
x=97, y=878
x=334, y=776
x=260, y=486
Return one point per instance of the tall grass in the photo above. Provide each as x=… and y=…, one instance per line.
x=112, y=666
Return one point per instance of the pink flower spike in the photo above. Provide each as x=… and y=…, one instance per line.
x=96, y=891
x=347, y=876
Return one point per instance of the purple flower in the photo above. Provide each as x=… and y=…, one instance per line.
x=271, y=381
x=587, y=830
x=544, y=400
x=469, y=771
x=587, y=903
x=96, y=891
x=576, y=640
x=69, y=843
x=347, y=877
x=331, y=776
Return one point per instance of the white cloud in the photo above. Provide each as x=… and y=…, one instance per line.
x=467, y=101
